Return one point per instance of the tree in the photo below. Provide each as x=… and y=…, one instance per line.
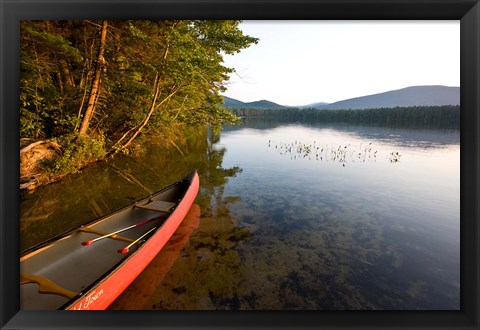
x=95, y=90
x=118, y=79
x=48, y=63
x=187, y=78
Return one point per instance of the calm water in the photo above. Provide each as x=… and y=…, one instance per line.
x=289, y=216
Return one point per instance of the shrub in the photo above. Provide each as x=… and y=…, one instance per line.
x=77, y=154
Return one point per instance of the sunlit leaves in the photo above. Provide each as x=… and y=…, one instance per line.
x=58, y=59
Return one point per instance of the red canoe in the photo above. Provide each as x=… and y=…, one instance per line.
x=88, y=267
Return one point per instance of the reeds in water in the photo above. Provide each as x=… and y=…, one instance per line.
x=342, y=153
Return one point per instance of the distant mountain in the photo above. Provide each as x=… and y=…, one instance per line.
x=232, y=103
x=262, y=104
x=405, y=97
x=314, y=105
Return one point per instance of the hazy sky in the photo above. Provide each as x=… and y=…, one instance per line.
x=303, y=62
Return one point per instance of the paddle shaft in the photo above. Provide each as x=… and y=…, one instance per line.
x=125, y=249
x=141, y=223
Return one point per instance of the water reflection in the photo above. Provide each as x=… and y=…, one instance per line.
x=400, y=136
x=366, y=236
x=199, y=267
x=106, y=186
x=144, y=288
x=281, y=234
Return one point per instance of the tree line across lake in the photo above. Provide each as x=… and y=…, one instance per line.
x=447, y=116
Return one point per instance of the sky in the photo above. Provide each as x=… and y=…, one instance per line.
x=304, y=62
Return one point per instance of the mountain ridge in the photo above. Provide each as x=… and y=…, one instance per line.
x=261, y=104
x=423, y=95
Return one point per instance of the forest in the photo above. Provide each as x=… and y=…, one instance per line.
x=447, y=116
x=91, y=88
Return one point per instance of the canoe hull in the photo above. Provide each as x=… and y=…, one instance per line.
x=104, y=293
x=91, y=277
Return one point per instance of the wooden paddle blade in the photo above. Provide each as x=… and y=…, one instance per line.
x=46, y=286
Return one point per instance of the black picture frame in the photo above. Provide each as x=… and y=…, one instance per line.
x=467, y=11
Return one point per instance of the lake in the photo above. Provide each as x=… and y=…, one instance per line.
x=289, y=216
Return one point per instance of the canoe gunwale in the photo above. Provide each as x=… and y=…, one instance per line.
x=103, y=217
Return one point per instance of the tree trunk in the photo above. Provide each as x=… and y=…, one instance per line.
x=150, y=111
x=153, y=106
x=69, y=82
x=95, y=83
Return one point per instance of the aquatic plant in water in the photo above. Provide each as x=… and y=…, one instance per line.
x=342, y=153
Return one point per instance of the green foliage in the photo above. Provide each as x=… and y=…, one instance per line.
x=30, y=125
x=156, y=77
x=52, y=76
x=55, y=42
x=77, y=153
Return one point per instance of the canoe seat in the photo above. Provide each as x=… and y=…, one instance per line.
x=101, y=233
x=159, y=206
x=46, y=286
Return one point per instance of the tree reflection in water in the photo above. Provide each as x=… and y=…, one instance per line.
x=285, y=234
x=208, y=261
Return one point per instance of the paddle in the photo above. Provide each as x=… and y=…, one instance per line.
x=46, y=286
x=126, y=248
x=141, y=223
